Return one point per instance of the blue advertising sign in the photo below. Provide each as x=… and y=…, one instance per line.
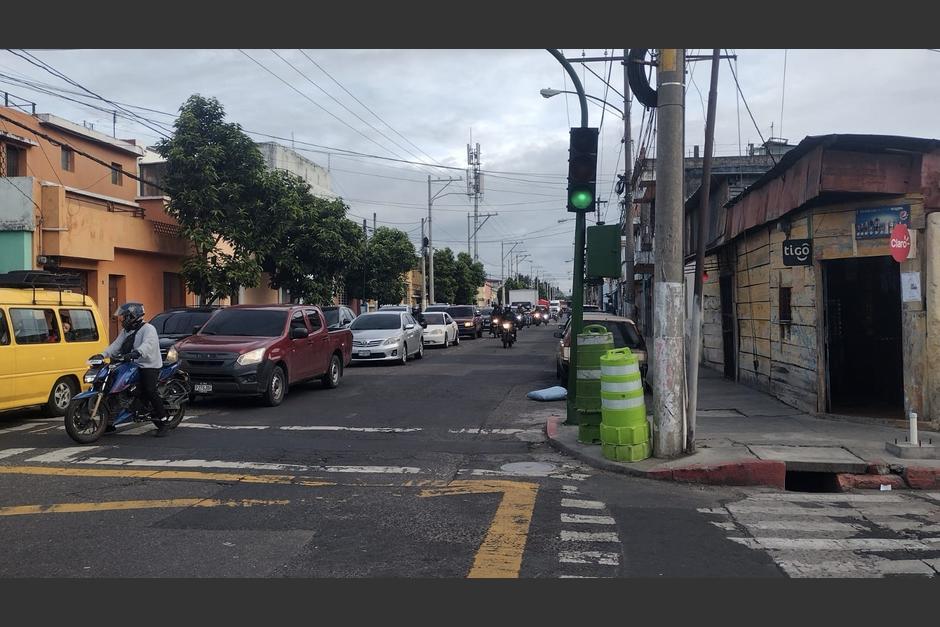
x=877, y=222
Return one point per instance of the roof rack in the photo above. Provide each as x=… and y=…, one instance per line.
x=41, y=279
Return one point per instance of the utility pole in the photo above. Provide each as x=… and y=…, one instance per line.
x=424, y=277
x=365, y=236
x=628, y=295
x=668, y=307
x=502, y=262
x=695, y=342
x=430, y=238
x=374, y=221
x=114, y=124
x=468, y=233
x=475, y=189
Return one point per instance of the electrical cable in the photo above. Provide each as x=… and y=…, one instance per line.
x=746, y=106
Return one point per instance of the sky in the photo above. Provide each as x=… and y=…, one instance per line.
x=425, y=105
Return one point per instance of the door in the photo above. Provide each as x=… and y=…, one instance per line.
x=318, y=343
x=7, y=364
x=115, y=298
x=39, y=358
x=727, y=324
x=302, y=365
x=865, y=369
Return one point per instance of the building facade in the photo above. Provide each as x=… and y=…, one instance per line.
x=804, y=298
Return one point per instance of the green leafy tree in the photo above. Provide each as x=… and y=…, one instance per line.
x=388, y=255
x=470, y=276
x=315, y=244
x=218, y=188
x=445, y=276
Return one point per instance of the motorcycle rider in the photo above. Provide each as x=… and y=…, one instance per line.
x=139, y=341
x=494, y=317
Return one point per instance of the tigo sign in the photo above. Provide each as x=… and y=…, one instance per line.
x=797, y=252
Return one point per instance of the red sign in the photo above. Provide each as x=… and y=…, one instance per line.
x=900, y=242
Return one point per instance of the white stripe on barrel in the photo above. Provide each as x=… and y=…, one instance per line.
x=587, y=373
x=628, y=403
x=618, y=371
x=595, y=339
x=625, y=386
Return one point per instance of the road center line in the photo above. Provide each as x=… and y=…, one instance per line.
x=500, y=554
x=72, y=508
x=186, y=475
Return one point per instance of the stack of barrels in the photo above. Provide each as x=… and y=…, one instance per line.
x=624, y=431
x=593, y=342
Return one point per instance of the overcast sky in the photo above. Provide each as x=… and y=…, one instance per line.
x=434, y=99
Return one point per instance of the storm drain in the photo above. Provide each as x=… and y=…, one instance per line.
x=805, y=481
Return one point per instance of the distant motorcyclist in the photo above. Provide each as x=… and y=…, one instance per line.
x=139, y=341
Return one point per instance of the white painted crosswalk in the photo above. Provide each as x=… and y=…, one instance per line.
x=586, y=553
x=838, y=535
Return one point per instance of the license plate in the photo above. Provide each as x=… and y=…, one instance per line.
x=202, y=388
x=363, y=353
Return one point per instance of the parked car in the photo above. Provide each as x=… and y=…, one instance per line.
x=338, y=316
x=387, y=336
x=487, y=314
x=441, y=330
x=179, y=323
x=394, y=308
x=625, y=334
x=262, y=350
x=46, y=337
x=468, y=319
x=438, y=307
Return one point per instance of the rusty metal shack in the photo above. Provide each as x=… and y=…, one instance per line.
x=803, y=297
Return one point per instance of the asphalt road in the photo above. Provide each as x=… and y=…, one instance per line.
x=438, y=468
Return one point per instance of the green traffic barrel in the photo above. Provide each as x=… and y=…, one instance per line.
x=593, y=342
x=622, y=402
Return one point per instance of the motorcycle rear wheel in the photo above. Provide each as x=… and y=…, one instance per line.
x=81, y=425
x=176, y=407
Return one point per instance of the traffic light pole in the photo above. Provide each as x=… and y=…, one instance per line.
x=577, y=291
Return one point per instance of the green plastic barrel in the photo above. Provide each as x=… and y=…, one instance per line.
x=593, y=342
x=622, y=402
x=589, y=434
x=629, y=453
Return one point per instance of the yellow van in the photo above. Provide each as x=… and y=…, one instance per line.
x=46, y=338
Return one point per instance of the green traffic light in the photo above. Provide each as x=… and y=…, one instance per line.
x=582, y=199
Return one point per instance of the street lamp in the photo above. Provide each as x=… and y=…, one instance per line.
x=548, y=92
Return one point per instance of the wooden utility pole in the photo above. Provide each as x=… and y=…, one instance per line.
x=695, y=335
x=628, y=296
x=668, y=307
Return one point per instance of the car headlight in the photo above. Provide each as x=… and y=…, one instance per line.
x=172, y=355
x=495, y=320
x=391, y=340
x=468, y=324
x=251, y=357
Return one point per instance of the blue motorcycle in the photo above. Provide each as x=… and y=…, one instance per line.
x=114, y=399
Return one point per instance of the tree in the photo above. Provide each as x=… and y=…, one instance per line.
x=315, y=244
x=445, y=276
x=469, y=275
x=219, y=194
x=388, y=255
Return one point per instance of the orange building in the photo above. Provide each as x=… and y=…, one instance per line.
x=61, y=209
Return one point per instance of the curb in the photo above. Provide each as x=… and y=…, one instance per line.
x=740, y=473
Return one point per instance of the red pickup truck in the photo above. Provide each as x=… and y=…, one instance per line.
x=262, y=350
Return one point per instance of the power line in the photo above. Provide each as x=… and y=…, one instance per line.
x=746, y=106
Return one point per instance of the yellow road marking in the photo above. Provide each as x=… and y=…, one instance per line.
x=161, y=474
x=71, y=508
x=500, y=554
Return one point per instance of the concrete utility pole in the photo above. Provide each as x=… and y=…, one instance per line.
x=695, y=341
x=431, y=239
x=365, y=236
x=628, y=295
x=424, y=277
x=668, y=309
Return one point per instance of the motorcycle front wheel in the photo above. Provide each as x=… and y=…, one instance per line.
x=81, y=425
x=175, y=396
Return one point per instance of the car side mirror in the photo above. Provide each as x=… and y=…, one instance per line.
x=296, y=333
x=409, y=327
x=559, y=334
x=196, y=329
x=424, y=325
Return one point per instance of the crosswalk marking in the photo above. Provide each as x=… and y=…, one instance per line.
x=22, y=427
x=569, y=489
x=582, y=504
x=800, y=525
x=10, y=452
x=835, y=544
x=588, y=536
x=585, y=519
x=63, y=454
x=589, y=557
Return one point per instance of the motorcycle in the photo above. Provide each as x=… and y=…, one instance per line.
x=114, y=398
x=537, y=318
x=508, y=332
x=494, y=326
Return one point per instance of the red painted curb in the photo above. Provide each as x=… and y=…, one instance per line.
x=922, y=478
x=551, y=426
x=869, y=482
x=750, y=472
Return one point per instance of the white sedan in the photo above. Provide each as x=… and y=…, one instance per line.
x=441, y=330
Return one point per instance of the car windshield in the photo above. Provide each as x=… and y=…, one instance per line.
x=179, y=322
x=487, y=311
x=370, y=322
x=461, y=312
x=246, y=322
x=438, y=308
x=625, y=334
x=434, y=318
x=332, y=316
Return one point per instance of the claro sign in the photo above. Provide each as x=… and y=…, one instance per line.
x=797, y=252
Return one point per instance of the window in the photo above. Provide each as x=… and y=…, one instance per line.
x=785, y=314
x=314, y=319
x=78, y=325
x=117, y=174
x=68, y=159
x=375, y=322
x=246, y=323
x=174, y=293
x=4, y=330
x=297, y=321
x=34, y=326
x=14, y=161
x=153, y=175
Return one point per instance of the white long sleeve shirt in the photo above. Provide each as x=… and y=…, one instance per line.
x=146, y=341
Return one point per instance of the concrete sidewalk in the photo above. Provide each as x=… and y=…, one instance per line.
x=746, y=437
